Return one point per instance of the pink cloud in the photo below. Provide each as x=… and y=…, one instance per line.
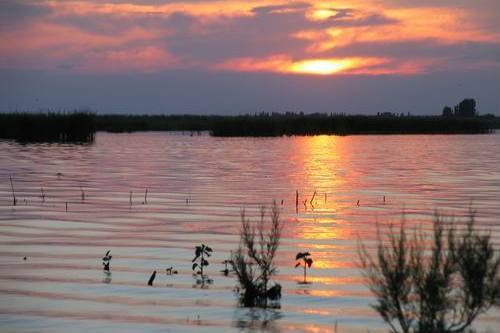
x=148, y=59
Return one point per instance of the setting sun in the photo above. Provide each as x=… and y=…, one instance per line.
x=321, y=14
x=321, y=66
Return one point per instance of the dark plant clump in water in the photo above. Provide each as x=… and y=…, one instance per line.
x=200, y=252
x=436, y=288
x=171, y=271
x=306, y=262
x=253, y=261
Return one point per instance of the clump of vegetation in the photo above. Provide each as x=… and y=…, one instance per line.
x=437, y=285
x=276, y=124
x=253, y=261
x=200, y=252
x=306, y=262
x=77, y=126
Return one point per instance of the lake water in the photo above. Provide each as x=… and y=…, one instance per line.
x=197, y=186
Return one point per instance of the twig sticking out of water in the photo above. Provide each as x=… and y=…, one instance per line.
x=14, y=200
x=312, y=199
x=297, y=201
x=146, y=196
x=152, y=278
x=66, y=206
x=384, y=199
x=305, y=203
x=325, y=198
x=357, y=203
x=83, y=193
x=42, y=195
x=130, y=200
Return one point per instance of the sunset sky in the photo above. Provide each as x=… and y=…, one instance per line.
x=231, y=57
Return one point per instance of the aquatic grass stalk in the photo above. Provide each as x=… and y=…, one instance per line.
x=312, y=198
x=14, y=200
x=297, y=201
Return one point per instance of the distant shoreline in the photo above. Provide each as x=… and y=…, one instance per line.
x=82, y=126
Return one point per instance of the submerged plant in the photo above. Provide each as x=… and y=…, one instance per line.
x=306, y=262
x=199, y=255
x=436, y=288
x=253, y=261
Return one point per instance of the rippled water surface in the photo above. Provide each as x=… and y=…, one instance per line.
x=197, y=186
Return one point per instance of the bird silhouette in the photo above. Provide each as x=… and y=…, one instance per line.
x=152, y=278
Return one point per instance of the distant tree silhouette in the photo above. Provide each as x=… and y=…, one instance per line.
x=466, y=108
x=437, y=285
x=447, y=111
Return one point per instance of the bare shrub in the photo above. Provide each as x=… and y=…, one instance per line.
x=436, y=288
x=253, y=261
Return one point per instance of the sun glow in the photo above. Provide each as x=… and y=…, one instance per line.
x=320, y=14
x=321, y=66
x=285, y=65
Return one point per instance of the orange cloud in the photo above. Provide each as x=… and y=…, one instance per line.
x=207, y=9
x=148, y=59
x=410, y=24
